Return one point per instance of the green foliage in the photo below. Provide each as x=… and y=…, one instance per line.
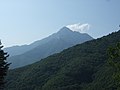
x=82, y=67
x=114, y=61
x=3, y=66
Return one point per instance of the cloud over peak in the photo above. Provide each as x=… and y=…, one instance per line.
x=82, y=28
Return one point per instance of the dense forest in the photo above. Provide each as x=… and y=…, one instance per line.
x=87, y=66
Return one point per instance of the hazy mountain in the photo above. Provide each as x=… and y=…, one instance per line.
x=82, y=67
x=53, y=44
x=17, y=50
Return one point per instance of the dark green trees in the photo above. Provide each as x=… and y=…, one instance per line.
x=3, y=66
x=114, y=61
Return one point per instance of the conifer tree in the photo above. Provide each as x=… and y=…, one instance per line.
x=4, y=65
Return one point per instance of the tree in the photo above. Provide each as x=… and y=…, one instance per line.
x=4, y=65
x=114, y=62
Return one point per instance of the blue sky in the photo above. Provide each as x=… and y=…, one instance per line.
x=25, y=21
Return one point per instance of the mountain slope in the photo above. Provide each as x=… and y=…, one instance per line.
x=82, y=67
x=53, y=44
x=17, y=50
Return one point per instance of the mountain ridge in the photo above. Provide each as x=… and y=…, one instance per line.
x=54, y=43
x=81, y=67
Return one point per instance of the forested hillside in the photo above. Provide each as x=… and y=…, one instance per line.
x=82, y=67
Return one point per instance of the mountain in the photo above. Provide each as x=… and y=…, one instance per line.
x=55, y=43
x=17, y=50
x=81, y=67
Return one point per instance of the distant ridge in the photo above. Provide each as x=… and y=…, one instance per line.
x=54, y=43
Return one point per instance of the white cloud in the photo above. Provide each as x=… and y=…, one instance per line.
x=82, y=28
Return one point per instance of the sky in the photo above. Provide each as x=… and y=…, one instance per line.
x=25, y=21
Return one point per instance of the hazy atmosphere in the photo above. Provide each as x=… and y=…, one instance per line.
x=25, y=21
x=60, y=45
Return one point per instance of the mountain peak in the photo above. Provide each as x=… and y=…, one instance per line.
x=52, y=44
x=64, y=30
